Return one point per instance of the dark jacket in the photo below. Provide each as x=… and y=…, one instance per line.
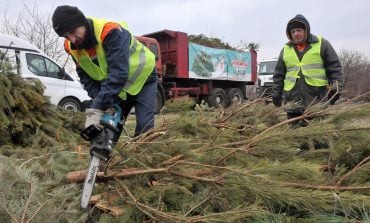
x=116, y=46
x=302, y=93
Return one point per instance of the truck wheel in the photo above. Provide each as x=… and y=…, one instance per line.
x=70, y=104
x=217, y=98
x=234, y=96
x=158, y=102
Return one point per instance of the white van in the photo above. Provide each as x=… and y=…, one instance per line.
x=64, y=90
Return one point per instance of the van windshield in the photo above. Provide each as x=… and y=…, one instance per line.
x=267, y=67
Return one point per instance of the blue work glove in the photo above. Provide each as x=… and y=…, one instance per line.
x=93, y=117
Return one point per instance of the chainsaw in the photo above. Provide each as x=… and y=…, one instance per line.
x=101, y=140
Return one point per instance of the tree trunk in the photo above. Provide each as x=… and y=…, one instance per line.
x=79, y=176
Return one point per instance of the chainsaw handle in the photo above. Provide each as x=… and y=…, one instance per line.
x=109, y=126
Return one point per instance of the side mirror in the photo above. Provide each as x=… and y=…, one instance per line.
x=62, y=73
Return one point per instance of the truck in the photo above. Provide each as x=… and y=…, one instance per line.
x=216, y=76
x=265, y=73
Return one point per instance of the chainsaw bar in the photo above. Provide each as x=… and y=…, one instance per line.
x=90, y=181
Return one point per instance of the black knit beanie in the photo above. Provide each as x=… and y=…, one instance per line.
x=65, y=18
x=294, y=25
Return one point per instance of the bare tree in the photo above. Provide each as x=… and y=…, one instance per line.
x=37, y=29
x=244, y=46
x=356, y=69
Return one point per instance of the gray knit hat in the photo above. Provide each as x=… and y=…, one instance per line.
x=294, y=25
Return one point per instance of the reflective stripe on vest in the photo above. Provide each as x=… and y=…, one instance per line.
x=311, y=65
x=141, y=61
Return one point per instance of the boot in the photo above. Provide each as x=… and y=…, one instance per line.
x=303, y=149
x=320, y=144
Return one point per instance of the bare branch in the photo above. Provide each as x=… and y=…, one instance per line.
x=36, y=28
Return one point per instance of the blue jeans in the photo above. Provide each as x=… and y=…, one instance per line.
x=144, y=104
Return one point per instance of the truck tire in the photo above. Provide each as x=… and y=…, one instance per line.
x=217, y=98
x=70, y=104
x=234, y=96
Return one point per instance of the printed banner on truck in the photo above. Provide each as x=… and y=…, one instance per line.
x=218, y=64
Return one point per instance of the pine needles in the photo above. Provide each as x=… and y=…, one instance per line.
x=197, y=165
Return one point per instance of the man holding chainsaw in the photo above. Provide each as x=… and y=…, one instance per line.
x=113, y=66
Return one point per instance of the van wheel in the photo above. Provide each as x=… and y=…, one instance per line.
x=217, y=98
x=234, y=96
x=70, y=104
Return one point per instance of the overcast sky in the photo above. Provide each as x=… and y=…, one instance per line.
x=346, y=24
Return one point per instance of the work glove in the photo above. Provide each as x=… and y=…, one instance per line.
x=333, y=94
x=93, y=117
x=276, y=100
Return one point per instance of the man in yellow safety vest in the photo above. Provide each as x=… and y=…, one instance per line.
x=113, y=66
x=307, y=68
x=308, y=71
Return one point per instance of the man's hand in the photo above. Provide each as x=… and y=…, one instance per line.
x=333, y=96
x=93, y=117
x=334, y=93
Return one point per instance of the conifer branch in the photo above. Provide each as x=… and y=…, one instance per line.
x=354, y=170
x=34, y=158
x=8, y=212
x=215, y=167
x=325, y=187
x=197, y=205
x=172, y=160
x=133, y=198
x=79, y=176
x=25, y=209
x=148, y=210
x=204, y=179
x=37, y=211
x=237, y=110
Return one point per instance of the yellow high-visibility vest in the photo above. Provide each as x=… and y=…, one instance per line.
x=141, y=61
x=311, y=65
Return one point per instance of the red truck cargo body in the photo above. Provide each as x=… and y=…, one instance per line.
x=173, y=58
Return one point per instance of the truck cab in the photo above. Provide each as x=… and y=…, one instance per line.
x=265, y=73
x=153, y=45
